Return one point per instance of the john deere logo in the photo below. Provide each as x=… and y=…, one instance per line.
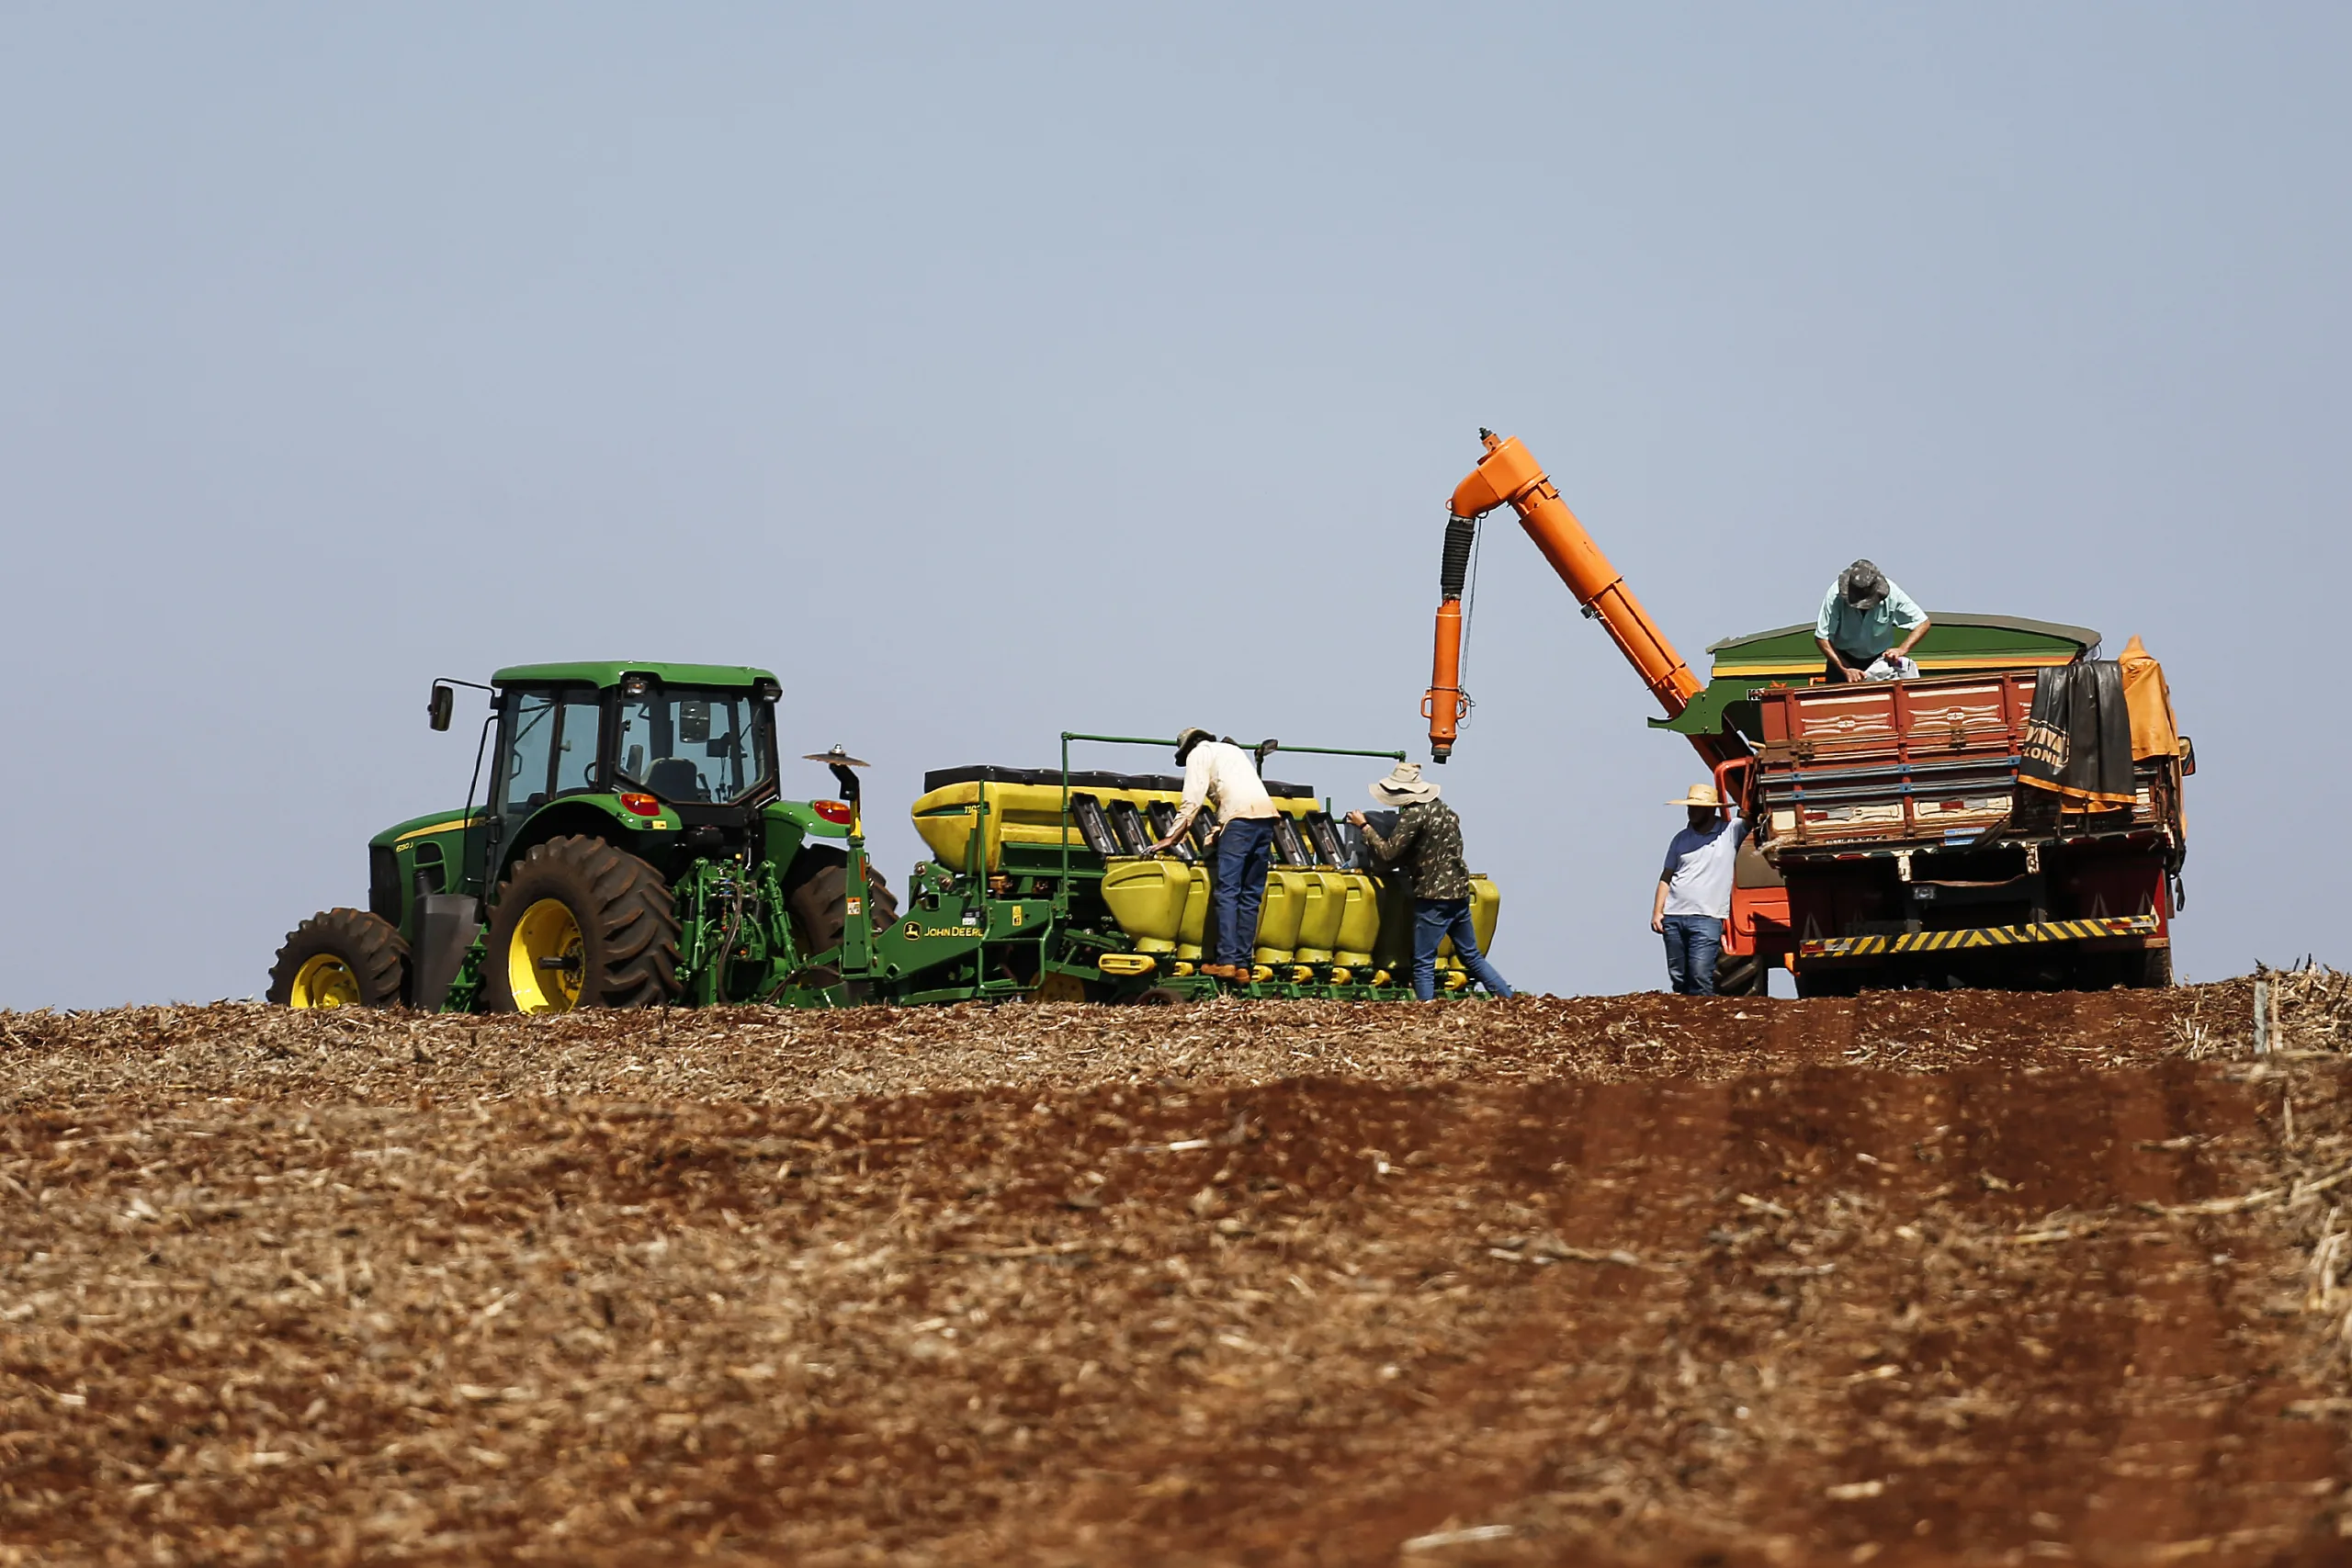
x=915, y=930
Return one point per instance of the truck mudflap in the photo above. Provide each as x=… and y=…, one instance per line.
x=2093, y=929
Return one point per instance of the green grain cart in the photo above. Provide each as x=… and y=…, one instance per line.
x=633, y=849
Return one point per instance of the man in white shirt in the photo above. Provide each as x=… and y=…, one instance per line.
x=1220, y=770
x=1694, y=891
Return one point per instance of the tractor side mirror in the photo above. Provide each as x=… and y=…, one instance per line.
x=444, y=699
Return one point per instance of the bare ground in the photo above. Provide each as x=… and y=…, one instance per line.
x=1917, y=1279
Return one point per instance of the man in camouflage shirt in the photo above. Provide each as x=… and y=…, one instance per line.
x=1427, y=847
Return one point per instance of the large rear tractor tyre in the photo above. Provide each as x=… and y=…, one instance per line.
x=816, y=894
x=578, y=924
x=343, y=958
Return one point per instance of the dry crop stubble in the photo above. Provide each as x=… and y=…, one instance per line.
x=1931, y=1278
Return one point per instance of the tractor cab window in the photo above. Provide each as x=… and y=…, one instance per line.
x=550, y=748
x=575, y=741
x=684, y=743
x=530, y=748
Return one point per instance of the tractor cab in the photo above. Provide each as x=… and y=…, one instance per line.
x=671, y=759
x=685, y=744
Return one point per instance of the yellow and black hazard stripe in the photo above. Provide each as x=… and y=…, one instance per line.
x=1981, y=936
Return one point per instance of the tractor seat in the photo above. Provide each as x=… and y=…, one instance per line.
x=675, y=778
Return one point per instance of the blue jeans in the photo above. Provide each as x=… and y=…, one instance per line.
x=1435, y=919
x=1243, y=850
x=1694, y=943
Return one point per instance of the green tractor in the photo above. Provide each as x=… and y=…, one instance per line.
x=633, y=849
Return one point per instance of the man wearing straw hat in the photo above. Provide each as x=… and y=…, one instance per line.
x=1220, y=770
x=1427, y=844
x=1694, y=892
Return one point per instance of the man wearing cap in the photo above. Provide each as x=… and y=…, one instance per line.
x=1694, y=892
x=1221, y=770
x=1862, y=616
x=1427, y=845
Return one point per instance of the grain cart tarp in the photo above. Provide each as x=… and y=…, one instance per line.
x=2078, y=737
x=2155, y=731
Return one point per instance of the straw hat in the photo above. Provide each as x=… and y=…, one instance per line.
x=1404, y=787
x=1700, y=794
x=1188, y=739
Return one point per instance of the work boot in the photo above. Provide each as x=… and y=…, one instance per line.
x=1221, y=971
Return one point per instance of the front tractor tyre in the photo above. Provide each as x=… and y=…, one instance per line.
x=343, y=958
x=580, y=924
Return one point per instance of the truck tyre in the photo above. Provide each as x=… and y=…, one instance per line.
x=578, y=924
x=1831, y=983
x=816, y=895
x=1741, y=976
x=2155, y=968
x=343, y=958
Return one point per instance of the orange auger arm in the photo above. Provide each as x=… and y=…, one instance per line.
x=1508, y=473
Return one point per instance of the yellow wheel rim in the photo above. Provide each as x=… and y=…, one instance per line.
x=1060, y=987
x=324, y=981
x=546, y=958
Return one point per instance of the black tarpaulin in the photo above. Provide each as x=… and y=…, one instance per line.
x=2078, y=737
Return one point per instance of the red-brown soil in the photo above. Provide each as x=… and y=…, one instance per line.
x=1921, y=1279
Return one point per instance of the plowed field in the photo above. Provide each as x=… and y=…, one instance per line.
x=1917, y=1279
